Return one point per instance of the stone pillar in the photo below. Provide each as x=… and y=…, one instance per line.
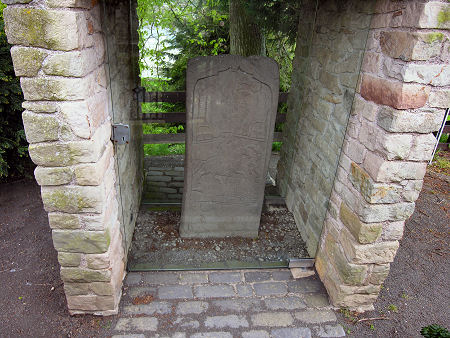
x=400, y=100
x=59, y=53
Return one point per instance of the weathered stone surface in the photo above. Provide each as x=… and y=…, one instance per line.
x=364, y=233
x=81, y=241
x=432, y=14
x=381, y=252
x=272, y=319
x=92, y=303
x=76, y=275
x=316, y=316
x=53, y=176
x=61, y=89
x=69, y=259
x=27, y=61
x=430, y=74
x=76, y=64
x=423, y=147
x=401, y=121
x=63, y=221
x=40, y=107
x=40, y=127
x=73, y=199
x=378, y=274
x=98, y=262
x=93, y=173
x=51, y=29
x=397, y=146
x=71, y=3
x=439, y=98
x=229, y=99
x=411, y=46
x=392, y=93
x=175, y=292
x=297, y=332
x=231, y=321
x=195, y=307
x=393, y=231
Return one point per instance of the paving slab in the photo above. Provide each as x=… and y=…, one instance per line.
x=237, y=303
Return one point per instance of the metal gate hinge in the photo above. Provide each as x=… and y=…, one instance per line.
x=120, y=133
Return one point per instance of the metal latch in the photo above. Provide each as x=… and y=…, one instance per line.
x=120, y=133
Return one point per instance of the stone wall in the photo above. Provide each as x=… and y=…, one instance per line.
x=326, y=67
x=120, y=26
x=60, y=54
x=400, y=100
x=164, y=179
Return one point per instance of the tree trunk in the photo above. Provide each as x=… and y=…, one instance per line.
x=246, y=38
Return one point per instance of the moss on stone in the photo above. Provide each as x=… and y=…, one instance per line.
x=432, y=37
x=443, y=17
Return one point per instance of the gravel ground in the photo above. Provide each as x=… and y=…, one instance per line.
x=156, y=239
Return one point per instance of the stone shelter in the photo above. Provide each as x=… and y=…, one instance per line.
x=371, y=82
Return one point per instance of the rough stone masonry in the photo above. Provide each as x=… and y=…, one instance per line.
x=350, y=197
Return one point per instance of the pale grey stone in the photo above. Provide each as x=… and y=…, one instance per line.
x=244, y=290
x=256, y=334
x=148, y=309
x=316, y=316
x=175, y=292
x=270, y=289
x=299, y=332
x=231, y=321
x=214, y=291
x=257, y=276
x=160, y=278
x=137, y=324
x=317, y=300
x=330, y=331
x=225, y=277
x=238, y=305
x=229, y=99
x=282, y=275
x=138, y=291
x=192, y=307
x=272, y=319
x=305, y=285
x=285, y=303
x=194, y=278
x=212, y=335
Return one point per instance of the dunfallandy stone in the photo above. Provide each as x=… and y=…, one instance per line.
x=53, y=176
x=73, y=199
x=363, y=232
x=81, y=241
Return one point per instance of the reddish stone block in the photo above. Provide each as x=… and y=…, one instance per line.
x=392, y=93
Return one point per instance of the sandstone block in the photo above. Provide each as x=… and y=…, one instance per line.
x=76, y=289
x=77, y=275
x=439, y=98
x=64, y=154
x=76, y=64
x=371, y=213
x=13, y=2
x=432, y=14
x=423, y=148
x=50, y=29
x=63, y=221
x=399, y=121
x=378, y=274
x=364, y=233
x=411, y=190
x=393, y=171
x=397, y=146
x=392, y=93
x=411, y=46
x=27, y=61
x=40, y=107
x=381, y=252
x=102, y=288
x=92, y=303
x=61, y=89
x=69, y=259
x=40, y=127
x=364, y=108
x=71, y=3
x=73, y=199
x=371, y=191
x=53, y=176
x=371, y=62
x=93, y=173
x=430, y=74
x=351, y=274
x=393, y=231
x=98, y=262
x=81, y=241
x=77, y=115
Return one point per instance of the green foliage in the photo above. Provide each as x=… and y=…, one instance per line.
x=434, y=331
x=14, y=160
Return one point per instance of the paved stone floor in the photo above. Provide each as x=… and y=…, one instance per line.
x=239, y=303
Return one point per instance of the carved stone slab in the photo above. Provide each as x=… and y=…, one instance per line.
x=231, y=105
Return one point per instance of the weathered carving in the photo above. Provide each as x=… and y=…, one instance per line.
x=231, y=104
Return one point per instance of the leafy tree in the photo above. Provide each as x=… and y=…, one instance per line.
x=14, y=160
